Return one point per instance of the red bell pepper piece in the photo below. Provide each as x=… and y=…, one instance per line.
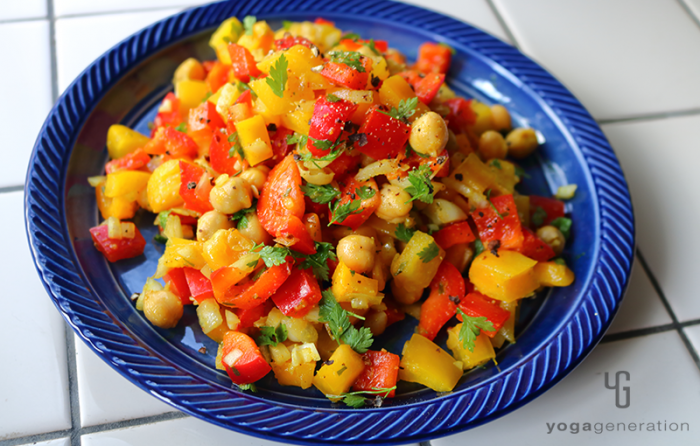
x=433, y=58
x=327, y=122
x=178, y=284
x=217, y=76
x=505, y=228
x=553, y=207
x=280, y=148
x=298, y=293
x=170, y=116
x=353, y=45
x=386, y=136
x=248, y=317
x=204, y=116
x=446, y=290
x=242, y=358
x=195, y=186
x=117, y=249
x=454, y=234
x=200, y=287
x=535, y=248
x=381, y=372
x=219, y=154
x=244, y=65
x=290, y=41
x=322, y=21
x=345, y=163
x=348, y=192
x=133, y=161
x=427, y=87
x=461, y=114
x=169, y=141
x=346, y=76
x=299, y=239
x=477, y=305
x=251, y=292
x=393, y=313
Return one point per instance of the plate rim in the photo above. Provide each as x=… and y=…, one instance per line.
x=53, y=257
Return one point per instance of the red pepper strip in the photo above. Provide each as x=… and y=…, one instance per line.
x=250, y=316
x=117, y=249
x=381, y=372
x=345, y=163
x=342, y=74
x=348, y=193
x=250, y=293
x=427, y=87
x=204, y=116
x=393, y=313
x=169, y=141
x=477, y=305
x=433, y=58
x=133, y=161
x=298, y=294
x=170, y=118
x=244, y=65
x=328, y=121
x=446, y=290
x=386, y=136
x=322, y=21
x=219, y=154
x=290, y=41
x=535, y=248
x=217, y=76
x=242, y=358
x=280, y=148
x=505, y=228
x=195, y=186
x=553, y=207
x=178, y=284
x=200, y=286
x=454, y=234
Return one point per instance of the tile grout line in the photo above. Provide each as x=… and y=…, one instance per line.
x=503, y=24
x=23, y=20
x=133, y=422
x=31, y=439
x=677, y=325
x=651, y=117
x=125, y=11
x=52, y=50
x=637, y=333
x=73, y=396
x=689, y=11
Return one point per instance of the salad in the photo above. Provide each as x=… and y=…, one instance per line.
x=313, y=188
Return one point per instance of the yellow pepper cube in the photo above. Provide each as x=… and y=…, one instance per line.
x=225, y=247
x=180, y=253
x=117, y=207
x=553, y=274
x=394, y=90
x=300, y=116
x=484, y=121
x=191, y=93
x=504, y=173
x=507, y=331
x=335, y=377
x=125, y=182
x=424, y=362
x=410, y=270
x=164, y=187
x=260, y=41
x=508, y=276
x=254, y=139
x=294, y=91
x=483, y=350
x=227, y=96
x=348, y=284
x=121, y=141
x=471, y=178
x=229, y=31
x=299, y=376
x=300, y=60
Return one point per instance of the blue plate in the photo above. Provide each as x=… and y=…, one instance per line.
x=124, y=86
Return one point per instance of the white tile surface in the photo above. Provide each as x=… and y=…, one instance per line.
x=57, y=442
x=693, y=333
x=659, y=158
x=642, y=307
x=25, y=93
x=105, y=396
x=75, y=52
x=34, y=384
x=664, y=385
x=621, y=58
x=75, y=7
x=183, y=432
x=694, y=6
x=21, y=10
x=474, y=12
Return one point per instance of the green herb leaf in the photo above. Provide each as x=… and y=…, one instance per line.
x=359, y=340
x=236, y=147
x=372, y=47
x=410, y=151
x=519, y=171
x=355, y=401
x=272, y=336
x=403, y=233
x=336, y=150
x=274, y=255
x=478, y=247
x=421, y=187
x=407, y=107
x=488, y=198
x=277, y=80
x=319, y=261
x=353, y=59
x=564, y=226
x=339, y=212
x=471, y=328
x=248, y=23
x=242, y=216
x=332, y=98
x=560, y=261
x=365, y=192
x=297, y=138
x=286, y=24
x=250, y=387
x=538, y=216
x=358, y=399
x=351, y=36
x=162, y=219
x=242, y=86
x=338, y=321
x=160, y=238
x=429, y=252
x=182, y=128
x=320, y=194
x=495, y=163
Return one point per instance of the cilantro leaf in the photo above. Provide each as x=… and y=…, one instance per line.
x=351, y=36
x=236, y=147
x=319, y=261
x=471, y=328
x=336, y=150
x=410, y=151
x=272, y=336
x=322, y=144
x=365, y=192
x=407, y=107
x=162, y=219
x=358, y=399
x=274, y=255
x=339, y=212
x=160, y=238
x=355, y=401
x=421, y=187
x=338, y=321
x=286, y=24
x=248, y=23
x=297, y=138
x=250, y=387
x=242, y=86
x=182, y=128
x=564, y=226
x=372, y=47
x=559, y=261
x=495, y=163
x=488, y=198
x=538, y=216
x=478, y=247
x=242, y=216
x=277, y=80
x=353, y=59
x=359, y=340
x=332, y=98
x=320, y=194
x=429, y=252
x=403, y=233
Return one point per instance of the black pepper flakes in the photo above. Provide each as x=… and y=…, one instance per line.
x=359, y=138
x=493, y=247
x=191, y=185
x=459, y=177
x=271, y=127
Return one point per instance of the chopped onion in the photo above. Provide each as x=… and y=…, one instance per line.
x=381, y=167
x=232, y=357
x=114, y=228
x=566, y=192
x=96, y=181
x=128, y=230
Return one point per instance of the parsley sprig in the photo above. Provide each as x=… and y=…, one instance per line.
x=248, y=23
x=272, y=336
x=338, y=320
x=236, y=147
x=250, y=387
x=403, y=233
x=357, y=399
x=242, y=216
x=538, y=216
x=320, y=194
x=429, y=252
x=319, y=261
x=353, y=59
x=277, y=80
x=564, y=226
x=407, y=107
x=471, y=328
x=341, y=211
x=421, y=187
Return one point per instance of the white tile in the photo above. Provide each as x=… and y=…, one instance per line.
x=474, y=12
x=25, y=93
x=621, y=58
x=693, y=333
x=22, y=10
x=75, y=52
x=57, y=442
x=642, y=307
x=106, y=396
x=182, y=432
x=660, y=159
x=694, y=6
x=663, y=387
x=75, y=7
x=34, y=385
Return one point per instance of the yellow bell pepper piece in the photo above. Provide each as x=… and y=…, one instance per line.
x=553, y=274
x=471, y=179
x=411, y=273
x=484, y=120
x=125, y=182
x=483, y=350
x=348, y=284
x=121, y=141
x=211, y=320
x=180, y=253
x=254, y=139
x=190, y=68
x=300, y=116
x=191, y=93
x=324, y=36
x=227, y=96
x=394, y=90
x=300, y=60
x=424, y=362
x=293, y=91
x=259, y=108
x=299, y=376
x=504, y=173
x=336, y=378
x=508, y=276
x=118, y=207
x=229, y=31
x=507, y=331
x=164, y=187
x=225, y=247
x=260, y=42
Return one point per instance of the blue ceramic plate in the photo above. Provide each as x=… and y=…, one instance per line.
x=556, y=331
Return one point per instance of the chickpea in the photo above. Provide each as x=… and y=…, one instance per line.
x=521, y=142
x=357, y=252
x=255, y=176
x=553, y=237
x=429, y=134
x=230, y=195
x=500, y=117
x=254, y=230
x=395, y=204
x=162, y=308
x=492, y=145
x=209, y=223
x=376, y=321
